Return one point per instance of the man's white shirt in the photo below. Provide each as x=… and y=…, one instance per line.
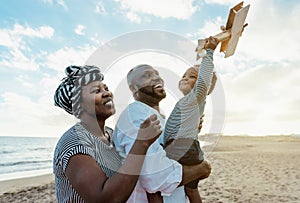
x=158, y=173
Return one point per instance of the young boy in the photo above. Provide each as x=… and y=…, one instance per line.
x=181, y=130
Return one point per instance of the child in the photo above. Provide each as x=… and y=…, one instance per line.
x=181, y=130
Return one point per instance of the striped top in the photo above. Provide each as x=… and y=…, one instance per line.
x=77, y=140
x=184, y=119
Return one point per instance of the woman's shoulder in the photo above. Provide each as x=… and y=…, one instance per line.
x=74, y=136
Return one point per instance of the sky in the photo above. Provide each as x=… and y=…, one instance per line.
x=259, y=85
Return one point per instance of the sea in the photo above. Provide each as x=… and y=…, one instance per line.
x=22, y=157
x=25, y=156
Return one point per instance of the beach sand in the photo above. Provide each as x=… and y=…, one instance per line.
x=32, y=189
x=244, y=169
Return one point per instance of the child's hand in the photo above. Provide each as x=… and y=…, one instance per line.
x=211, y=43
x=149, y=130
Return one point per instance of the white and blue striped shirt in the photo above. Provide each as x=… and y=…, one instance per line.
x=77, y=140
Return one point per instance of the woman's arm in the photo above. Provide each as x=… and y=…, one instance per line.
x=91, y=183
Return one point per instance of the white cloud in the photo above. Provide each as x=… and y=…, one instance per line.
x=79, y=30
x=271, y=34
x=24, y=81
x=209, y=28
x=14, y=40
x=96, y=40
x=223, y=2
x=133, y=17
x=7, y=40
x=59, y=2
x=18, y=60
x=41, y=32
x=32, y=117
x=161, y=8
x=267, y=94
x=66, y=56
x=100, y=8
x=62, y=3
x=48, y=1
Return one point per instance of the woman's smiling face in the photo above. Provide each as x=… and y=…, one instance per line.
x=97, y=100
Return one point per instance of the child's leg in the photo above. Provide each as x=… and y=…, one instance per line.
x=154, y=197
x=193, y=195
x=191, y=190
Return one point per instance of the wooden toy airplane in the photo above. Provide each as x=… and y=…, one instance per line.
x=231, y=33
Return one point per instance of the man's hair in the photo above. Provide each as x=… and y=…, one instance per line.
x=130, y=75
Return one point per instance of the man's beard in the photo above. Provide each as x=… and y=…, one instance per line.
x=149, y=91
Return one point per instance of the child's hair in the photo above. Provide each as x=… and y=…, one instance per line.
x=213, y=81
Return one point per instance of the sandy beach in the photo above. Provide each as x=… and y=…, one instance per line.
x=244, y=169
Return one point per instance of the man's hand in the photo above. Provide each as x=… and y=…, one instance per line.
x=200, y=123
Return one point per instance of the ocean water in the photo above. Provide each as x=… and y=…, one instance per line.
x=31, y=156
x=25, y=156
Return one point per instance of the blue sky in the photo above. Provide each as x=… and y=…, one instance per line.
x=38, y=39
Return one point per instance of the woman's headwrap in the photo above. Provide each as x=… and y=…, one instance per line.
x=68, y=94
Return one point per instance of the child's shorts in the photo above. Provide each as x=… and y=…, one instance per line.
x=186, y=151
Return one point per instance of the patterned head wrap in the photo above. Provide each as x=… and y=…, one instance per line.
x=68, y=94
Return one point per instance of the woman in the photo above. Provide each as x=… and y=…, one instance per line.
x=86, y=166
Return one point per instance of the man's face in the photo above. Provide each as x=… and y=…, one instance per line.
x=147, y=80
